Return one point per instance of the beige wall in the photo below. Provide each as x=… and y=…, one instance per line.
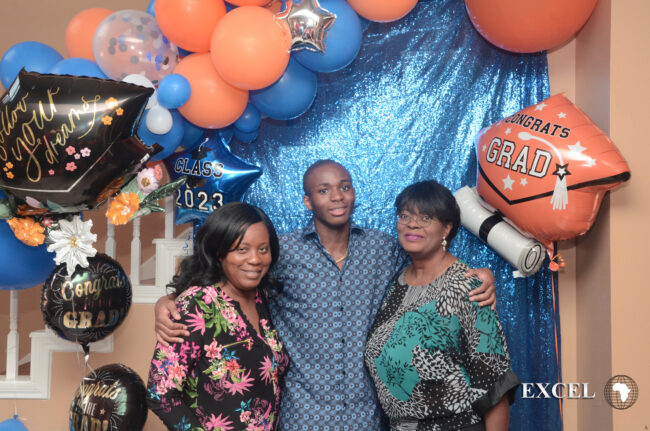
x=603, y=297
x=603, y=294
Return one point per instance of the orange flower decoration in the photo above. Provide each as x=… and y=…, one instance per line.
x=10, y=175
x=111, y=102
x=9, y=165
x=107, y=120
x=27, y=230
x=119, y=112
x=123, y=207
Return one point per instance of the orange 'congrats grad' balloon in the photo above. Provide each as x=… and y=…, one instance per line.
x=547, y=168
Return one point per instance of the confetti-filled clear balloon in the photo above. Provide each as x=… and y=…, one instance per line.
x=130, y=41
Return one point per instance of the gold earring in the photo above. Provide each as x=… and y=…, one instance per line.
x=444, y=244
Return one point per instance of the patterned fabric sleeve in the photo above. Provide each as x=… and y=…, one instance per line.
x=172, y=387
x=485, y=357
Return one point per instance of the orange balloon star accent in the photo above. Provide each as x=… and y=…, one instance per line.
x=547, y=168
x=27, y=230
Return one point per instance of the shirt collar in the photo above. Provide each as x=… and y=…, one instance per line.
x=310, y=230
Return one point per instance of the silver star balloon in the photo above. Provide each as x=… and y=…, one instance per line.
x=308, y=23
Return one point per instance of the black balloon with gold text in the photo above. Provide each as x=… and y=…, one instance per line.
x=90, y=304
x=110, y=398
x=67, y=143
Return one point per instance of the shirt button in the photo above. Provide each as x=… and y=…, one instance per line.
x=343, y=340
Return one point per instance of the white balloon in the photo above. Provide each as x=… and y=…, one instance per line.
x=159, y=120
x=137, y=79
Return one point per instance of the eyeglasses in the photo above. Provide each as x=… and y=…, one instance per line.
x=422, y=220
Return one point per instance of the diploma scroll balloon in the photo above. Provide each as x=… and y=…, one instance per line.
x=524, y=253
x=547, y=168
x=110, y=398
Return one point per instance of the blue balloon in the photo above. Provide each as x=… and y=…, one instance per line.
x=226, y=134
x=342, y=41
x=250, y=120
x=78, y=67
x=246, y=137
x=215, y=176
x=173, y=91
x=13, y=425
x=151, y=8
x=290, y=96
x=21, y=265
x=192, y=135
x=183, y=52
x=170, y=141
x=365, y=24
x=33, y=56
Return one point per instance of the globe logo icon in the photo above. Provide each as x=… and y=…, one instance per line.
x=621, y=392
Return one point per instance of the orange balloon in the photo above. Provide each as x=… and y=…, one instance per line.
x=253, y=2
x=81, y=30
x=547, y=168
x=213, y=103
x=382, y=10
x=249, y=48
x=189, y=23
x=275, y=6
x=528, y=25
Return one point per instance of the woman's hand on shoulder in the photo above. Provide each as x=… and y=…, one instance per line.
x=168, y=331
x=486, y=293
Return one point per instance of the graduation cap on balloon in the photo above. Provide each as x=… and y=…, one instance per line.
x=547, y=168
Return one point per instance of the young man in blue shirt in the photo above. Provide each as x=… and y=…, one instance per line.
x=334, y=275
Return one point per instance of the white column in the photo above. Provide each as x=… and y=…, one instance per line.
x=12, y=338
x=135, y=253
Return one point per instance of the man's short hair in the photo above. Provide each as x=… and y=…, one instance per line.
x=313, y=167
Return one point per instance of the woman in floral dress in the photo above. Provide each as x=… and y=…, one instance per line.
x=226, y=375
x=439, y=361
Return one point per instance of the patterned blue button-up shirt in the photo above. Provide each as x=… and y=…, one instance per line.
x=323, y=315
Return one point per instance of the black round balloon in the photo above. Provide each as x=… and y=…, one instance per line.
x=111, y=398
x=89, y=305
x=67, y=142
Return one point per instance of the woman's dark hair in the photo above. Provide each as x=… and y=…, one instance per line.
x=432, y=199
x=222, y=231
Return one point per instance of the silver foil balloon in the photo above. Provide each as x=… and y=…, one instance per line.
x=308, y=23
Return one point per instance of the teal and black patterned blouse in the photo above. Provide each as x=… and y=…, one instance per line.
x=438, y=361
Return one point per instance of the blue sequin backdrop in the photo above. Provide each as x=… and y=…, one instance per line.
x=408, y=109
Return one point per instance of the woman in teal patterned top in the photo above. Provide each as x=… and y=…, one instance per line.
x=438, y=361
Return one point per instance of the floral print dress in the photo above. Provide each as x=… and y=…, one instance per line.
x=224, y=376
x=438, y=361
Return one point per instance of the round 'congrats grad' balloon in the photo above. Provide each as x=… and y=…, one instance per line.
x=89, y=305
x=110, y=398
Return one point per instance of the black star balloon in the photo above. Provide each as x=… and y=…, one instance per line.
x=67, y=142
x=308, y=24
x=110, y=398
x=215, y=177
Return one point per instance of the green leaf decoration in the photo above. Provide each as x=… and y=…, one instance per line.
x=132, y=187
x=164, y=191
x=54, y=207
